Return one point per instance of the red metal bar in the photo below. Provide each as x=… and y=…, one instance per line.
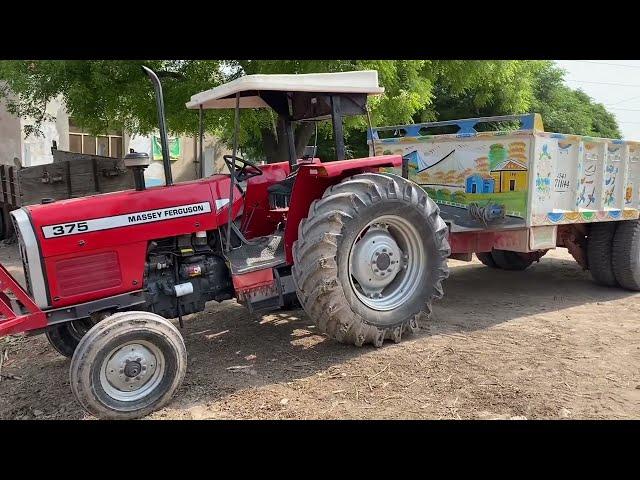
x=17, y=322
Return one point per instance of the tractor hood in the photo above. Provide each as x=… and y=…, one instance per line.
x=102, y=221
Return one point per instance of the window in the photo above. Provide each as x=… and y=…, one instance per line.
x=108, y=145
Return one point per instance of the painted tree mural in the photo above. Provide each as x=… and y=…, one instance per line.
x=497, y=154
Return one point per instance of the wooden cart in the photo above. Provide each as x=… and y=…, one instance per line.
x=70, y=175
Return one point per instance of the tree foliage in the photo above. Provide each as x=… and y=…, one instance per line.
x=105, y=95
x=539, y=88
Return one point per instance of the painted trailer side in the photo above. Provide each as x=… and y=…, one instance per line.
x=503, y=182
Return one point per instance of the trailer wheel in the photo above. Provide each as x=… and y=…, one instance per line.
x=370, y=258
x=626, y=254
x=508, y=260
x=599, y=248
x=65, y=337
x=128, y=365
x=486, y=259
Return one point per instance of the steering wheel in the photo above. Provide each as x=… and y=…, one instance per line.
x=243, y=172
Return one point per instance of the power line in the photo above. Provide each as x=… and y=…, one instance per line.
x=607, y=63
x=605, y=83
x=624, y=100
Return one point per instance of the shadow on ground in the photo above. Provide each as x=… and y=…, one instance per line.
x=229, y=350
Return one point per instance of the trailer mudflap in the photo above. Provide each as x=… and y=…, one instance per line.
x=15, y=322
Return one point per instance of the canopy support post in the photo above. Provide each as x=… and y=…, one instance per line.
x=338, y=131
x=232, y=184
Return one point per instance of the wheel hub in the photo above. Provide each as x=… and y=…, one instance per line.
x=376, y=260
x=386, y=262
x=130, y=367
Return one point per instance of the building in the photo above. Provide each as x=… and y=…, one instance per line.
x=510, y=176
x=16, y=148
x=477, y=183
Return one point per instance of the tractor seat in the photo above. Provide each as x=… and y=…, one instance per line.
x=280, y=192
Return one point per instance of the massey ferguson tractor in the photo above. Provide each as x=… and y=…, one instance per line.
x=364, y=252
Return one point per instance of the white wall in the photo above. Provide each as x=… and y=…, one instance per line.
x=10, y=136
x=36, y=150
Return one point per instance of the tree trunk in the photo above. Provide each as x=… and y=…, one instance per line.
x=276, y=148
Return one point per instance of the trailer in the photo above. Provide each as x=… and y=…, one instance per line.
x=509, y=191
x=70, y=175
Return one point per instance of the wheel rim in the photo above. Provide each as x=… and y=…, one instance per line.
x=386, y=262
x=132, y=371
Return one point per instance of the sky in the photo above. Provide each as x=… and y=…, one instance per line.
x=614, y=83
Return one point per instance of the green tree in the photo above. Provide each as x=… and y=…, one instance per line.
x=103, y=95
x=539, y=87
x=565, y=110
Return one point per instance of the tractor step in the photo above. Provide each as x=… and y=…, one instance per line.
x=264, y=252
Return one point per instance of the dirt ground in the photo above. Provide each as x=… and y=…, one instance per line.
x=541, y=344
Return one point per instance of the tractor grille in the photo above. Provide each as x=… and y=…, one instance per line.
x=23, y=255
x=88, y=273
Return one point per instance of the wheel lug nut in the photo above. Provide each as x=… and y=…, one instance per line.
x=391, y=254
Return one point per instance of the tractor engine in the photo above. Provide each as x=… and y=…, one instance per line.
x=182, y=274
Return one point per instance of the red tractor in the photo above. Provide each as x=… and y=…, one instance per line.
x=364, y=252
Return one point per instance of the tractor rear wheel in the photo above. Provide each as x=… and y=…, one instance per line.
x=65, y=337
x=370, y=258
x=128, y=365
x=625, y=254
x=599, y=253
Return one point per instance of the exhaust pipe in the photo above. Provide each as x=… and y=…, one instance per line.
x=164, y=139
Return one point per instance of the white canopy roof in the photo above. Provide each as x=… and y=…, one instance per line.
x=223, y=96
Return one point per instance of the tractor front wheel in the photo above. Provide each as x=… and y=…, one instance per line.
x=128, y=365
x=65, y=337
x=370, y=258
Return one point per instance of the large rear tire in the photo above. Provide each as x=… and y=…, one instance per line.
x=128, y=365
x=625, y=254
x=599, y=253
x=359, y=291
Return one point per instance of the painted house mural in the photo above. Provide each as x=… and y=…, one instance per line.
x=460, y=171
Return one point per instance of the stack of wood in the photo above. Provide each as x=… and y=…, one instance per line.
x=70, y=175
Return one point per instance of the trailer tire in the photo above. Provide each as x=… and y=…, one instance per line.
x=508, y=260
x=65, y=337
x=625, y=254
x=486, y=259
x=599, y=250
x=128, y=365
x=336, y=244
